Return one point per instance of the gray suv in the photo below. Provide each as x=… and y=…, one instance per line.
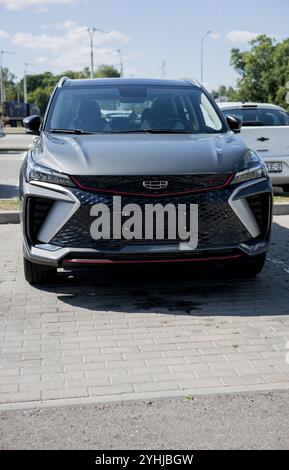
x=140, y=171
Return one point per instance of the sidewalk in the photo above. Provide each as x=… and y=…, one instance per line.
x=98, y=336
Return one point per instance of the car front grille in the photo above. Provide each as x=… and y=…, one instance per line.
x=135, y=184
x=218, y=225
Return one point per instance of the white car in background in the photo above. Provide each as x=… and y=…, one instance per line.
x=265, y=129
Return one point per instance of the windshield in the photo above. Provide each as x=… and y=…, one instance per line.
x=259, y=116
x=134, y=108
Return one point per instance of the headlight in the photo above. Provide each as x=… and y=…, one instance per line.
x=35, y=172
x=255, y=168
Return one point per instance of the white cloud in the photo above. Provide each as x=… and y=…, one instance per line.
x=41, y=10
x=63, y=43
x=241, y=36
x=67, y=24
x=70, y=49
x=20, y=4
x=3, y=34
x=62, y=25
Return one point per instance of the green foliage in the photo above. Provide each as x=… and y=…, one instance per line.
x=40, y=86
x=227, y=93
x=106, y=71
x=263, y=71
x=9, y=82
x=40, y=96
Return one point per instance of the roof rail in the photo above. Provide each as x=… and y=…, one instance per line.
x=190, y=80
x=62, y=81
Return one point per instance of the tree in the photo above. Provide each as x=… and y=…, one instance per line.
x=106, y=71
x=40, y=96
x=263, y=71
x=9, y=80
x=227, y=93
x=40, y=86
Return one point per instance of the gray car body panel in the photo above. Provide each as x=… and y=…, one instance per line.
x=140, y=154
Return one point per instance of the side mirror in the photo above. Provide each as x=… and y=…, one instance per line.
x=32, y=124
x=234, y=124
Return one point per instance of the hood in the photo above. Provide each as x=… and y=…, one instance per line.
x=140, y=154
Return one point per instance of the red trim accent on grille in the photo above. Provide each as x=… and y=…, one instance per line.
x=177, y=260
x=111, y=191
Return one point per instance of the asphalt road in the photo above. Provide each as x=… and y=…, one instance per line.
x=15, y=142
x=12, y=151
x=10, y=163
x=247, y=421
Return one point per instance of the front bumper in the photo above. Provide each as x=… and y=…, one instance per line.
x=234, y=221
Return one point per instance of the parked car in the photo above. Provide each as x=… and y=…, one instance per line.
x=265, y=129
x=13, y=112
x=173, y=184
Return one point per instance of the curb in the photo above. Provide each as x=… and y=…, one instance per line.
x=14, y=149
x=9, y=217
x=134, y=397
x=13, y=217
x=281, y=209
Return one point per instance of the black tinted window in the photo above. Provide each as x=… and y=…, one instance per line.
x=260, y=116
x=134, y=108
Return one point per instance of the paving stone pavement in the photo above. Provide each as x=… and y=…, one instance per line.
x=117, y=334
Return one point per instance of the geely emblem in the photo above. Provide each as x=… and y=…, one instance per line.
x=155, y=184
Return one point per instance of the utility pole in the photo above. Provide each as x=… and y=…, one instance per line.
x=25, y=80
x=202, y=54
x=164, y=65
x=2, y=84
x=120, y=63
x=17, y=89
x=91, y=32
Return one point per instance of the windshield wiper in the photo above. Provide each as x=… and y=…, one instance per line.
x=151, y=131
x=70, y=131
x=169, y=131
x=133, y=131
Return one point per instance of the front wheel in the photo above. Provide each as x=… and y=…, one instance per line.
x=247, y=267
x=285, y=188
x=38, y=273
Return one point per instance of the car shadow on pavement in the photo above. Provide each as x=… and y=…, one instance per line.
x=171, y=291
x=198, y=289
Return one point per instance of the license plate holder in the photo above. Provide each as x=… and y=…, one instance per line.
x=274, y=167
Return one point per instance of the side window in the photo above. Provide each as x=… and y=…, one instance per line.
x=234, y=112
x=209, y=114
x=259, y=117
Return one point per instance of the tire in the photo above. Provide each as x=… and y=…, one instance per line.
x=38, y=273
x=248, y=267
x=285, y=188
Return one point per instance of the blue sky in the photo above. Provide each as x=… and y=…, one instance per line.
x=148, y=32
